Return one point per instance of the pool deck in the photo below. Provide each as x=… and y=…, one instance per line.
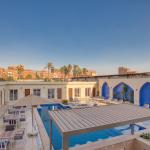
x=29, y=143
x=41, y=142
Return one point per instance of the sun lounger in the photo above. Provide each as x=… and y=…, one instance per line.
x=19, y=134
x=22, y=118
x=4, y=145
x=5, y=120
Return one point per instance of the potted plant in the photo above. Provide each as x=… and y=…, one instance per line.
x=145, y=136
x=65, y=102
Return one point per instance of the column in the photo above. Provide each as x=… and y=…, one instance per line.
x=111, y=92
x=136, y=97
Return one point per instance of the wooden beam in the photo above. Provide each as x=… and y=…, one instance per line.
x=51, y=129
x=64, y=142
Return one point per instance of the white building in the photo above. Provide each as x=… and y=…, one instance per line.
x=84, y=87
x=12, y=91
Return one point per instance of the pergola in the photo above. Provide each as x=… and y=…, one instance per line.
x=83, y=120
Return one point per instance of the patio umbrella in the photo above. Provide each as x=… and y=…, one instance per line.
x=31, y=101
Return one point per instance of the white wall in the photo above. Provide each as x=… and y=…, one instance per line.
x=43, y=86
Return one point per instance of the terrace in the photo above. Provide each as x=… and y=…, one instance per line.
x=80, y=120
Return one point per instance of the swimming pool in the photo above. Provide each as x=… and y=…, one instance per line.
x=82, y=138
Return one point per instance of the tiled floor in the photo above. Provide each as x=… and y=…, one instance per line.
x=29, y=143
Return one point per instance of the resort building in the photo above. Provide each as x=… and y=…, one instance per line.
x=71, y=114
x=12, y=91
x=133, y=88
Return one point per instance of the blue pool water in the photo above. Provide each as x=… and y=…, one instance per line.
x=82, y=138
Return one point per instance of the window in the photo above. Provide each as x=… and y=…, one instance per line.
x=87, y=91
x=51, y=93
x=13, y=95
x=37, y=92
x=77, y=92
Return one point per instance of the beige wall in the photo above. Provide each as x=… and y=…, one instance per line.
x=82, y=86
x=135, y=83
x=43, y=86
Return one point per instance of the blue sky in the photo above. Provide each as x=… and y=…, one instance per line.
x=97, y=34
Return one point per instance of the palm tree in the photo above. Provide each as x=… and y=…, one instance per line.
x=132, y=97
x=37, y=76
x=124, y=91
x=64, y=70
x=20, y=69
x=49, y=67
x=76, y=70
x=69, y=68
x=84, y=71
x=79, y=71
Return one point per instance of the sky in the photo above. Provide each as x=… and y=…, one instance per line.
x=98, y=34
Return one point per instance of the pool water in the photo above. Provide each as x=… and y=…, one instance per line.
x=82, y=138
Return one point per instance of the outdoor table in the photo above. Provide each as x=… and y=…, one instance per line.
x=11, y=120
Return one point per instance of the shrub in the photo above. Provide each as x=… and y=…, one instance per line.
x=65, y=102
x=145, y=135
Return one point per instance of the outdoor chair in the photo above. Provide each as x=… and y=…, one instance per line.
x=22, y=117
x=20, y=136
x=4, y=144
x=5, y=120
